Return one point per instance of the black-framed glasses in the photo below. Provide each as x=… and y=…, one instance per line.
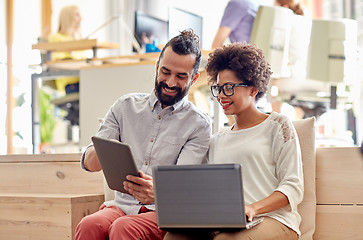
x=227, y=88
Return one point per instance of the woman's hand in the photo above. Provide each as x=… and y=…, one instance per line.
x=142, y=188
x=271, y=203
x=250, y=213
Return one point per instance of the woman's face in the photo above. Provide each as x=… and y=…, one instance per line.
x=242, y=99
x=76, y=19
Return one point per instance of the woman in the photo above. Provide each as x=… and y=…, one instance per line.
x=266, y=145
x=68, y=30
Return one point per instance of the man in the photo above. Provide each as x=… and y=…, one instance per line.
x=162, y=128
x=237, y=22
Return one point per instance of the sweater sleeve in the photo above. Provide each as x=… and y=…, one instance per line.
x=288, y=163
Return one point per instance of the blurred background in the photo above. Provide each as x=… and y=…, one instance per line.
x=316, y=61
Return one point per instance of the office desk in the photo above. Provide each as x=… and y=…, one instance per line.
x=76, y=45
x=102, y=82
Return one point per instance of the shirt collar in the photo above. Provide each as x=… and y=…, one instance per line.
x=176, y=107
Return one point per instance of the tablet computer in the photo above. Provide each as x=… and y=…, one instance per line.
x=116, y=161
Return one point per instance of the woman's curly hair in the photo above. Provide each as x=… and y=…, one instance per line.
x=245, y=60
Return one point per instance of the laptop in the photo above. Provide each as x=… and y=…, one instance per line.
x=208, y=196
x=116, y=161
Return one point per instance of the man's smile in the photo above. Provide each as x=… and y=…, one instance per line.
x=169, y=91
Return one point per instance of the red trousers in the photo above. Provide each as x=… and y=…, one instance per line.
x=111, y=223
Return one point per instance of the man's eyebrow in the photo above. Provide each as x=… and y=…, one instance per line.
x=164, y=68
x=184, y=74
x=168, y=70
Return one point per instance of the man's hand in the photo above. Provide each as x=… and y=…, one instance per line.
x=91, y=161
x=143, y=190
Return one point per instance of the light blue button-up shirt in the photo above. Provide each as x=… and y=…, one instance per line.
x=177, y=134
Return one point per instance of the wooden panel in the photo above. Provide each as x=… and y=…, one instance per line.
x=46, y=25
x=339, y=176
x=10, y=101
x=25, y=217
x=339, y=222
x=44, y=216
x=67, y=157
x=82, y=207
x=48, y=177
x=47, y=173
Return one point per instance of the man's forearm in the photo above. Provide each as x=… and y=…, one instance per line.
x=91, y=161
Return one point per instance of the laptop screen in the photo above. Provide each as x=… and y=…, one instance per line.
x=199, y=196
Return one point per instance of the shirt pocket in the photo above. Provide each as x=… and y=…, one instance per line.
x=170, y=150
x=174, y=140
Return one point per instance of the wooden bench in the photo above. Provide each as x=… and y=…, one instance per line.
x=45, y=196
x=339, y=193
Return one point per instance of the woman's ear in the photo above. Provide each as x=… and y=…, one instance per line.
x=254, y=92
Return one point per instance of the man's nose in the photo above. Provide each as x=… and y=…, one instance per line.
x=171, y=81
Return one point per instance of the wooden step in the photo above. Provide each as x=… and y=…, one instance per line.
x=47, y=173
x=44, y=196
x=44, y=216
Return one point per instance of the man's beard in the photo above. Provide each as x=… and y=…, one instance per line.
x=166, y=100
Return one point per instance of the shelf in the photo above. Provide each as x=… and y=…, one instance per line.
x=71, y=97
x=74, y=45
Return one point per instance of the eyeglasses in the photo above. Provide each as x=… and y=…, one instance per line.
x=227, y=88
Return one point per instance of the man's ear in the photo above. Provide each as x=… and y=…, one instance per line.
x=195, y=78
x=157, y=66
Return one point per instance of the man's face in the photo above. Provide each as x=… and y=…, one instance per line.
x=174, y=76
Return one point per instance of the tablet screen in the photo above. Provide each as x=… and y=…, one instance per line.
x=116, y=160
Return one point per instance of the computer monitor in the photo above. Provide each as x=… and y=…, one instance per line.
x=154, y=28
x=180, y=20
x=271, y=33
x=333, y=50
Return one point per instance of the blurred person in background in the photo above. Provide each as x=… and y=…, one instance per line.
x=237, y=22
x=69, y=29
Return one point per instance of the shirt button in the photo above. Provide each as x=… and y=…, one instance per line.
x=146, y=163
x=159, y=117
x=152, y=140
